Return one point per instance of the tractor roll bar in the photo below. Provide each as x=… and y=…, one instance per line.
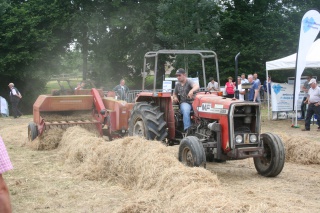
x=204, y=54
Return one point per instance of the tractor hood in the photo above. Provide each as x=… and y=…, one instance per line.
x=212, y=106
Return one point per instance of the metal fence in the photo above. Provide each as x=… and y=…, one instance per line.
x=132, y=94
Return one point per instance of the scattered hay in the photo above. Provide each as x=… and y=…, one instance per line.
x=48, y=140
x=300, y=149
x=160, y=183
x=15, y=134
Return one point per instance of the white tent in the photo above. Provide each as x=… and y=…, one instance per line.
x=289, y=63
x=4, y=110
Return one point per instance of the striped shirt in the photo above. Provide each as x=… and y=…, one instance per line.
x=5, y=163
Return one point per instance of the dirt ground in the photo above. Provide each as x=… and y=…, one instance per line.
x=41, y=182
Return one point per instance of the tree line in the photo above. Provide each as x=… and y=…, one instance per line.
x=106, y=40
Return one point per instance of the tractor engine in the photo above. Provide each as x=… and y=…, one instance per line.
x=227, y=126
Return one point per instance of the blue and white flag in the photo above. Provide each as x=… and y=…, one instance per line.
x=310, y=26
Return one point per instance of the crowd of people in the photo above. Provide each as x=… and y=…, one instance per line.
x=256, y=92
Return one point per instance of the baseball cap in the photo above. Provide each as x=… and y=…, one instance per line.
x=180, y=71
x=312, y=81
x=11, y=84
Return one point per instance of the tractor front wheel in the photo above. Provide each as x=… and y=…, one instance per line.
x=147, y=121
x=272, y=162
x=191, y=152
x=32, y=131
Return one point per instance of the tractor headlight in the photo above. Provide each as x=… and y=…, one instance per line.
x=239, y=139
x=253, y=138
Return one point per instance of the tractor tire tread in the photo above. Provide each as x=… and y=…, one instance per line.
x=155, y=126
x=277, y=156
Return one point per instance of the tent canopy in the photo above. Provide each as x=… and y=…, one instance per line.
x=289, y=62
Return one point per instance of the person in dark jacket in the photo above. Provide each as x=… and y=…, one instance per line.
x=15, y=97
x=121, y=90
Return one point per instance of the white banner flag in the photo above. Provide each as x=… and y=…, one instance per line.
x=310, y=26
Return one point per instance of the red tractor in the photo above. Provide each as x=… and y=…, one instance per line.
x=222, y=128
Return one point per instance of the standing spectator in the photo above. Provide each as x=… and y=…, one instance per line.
x=243, y=79
x=255, y=78
x=313, y=100
x=267, y=86
x=212, y=85
x=15, y=97
x=241, y=91
x=305, y=88
x=267, y=82
x=230, y=88
x=5, y=165
x=121, y=90
x=260, y=95
x=254, y=90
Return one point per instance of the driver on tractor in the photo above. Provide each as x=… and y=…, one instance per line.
x=183, y=94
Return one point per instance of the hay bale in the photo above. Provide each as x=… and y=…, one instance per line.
x=300, y=149
x=160, y=183
x=49, y=140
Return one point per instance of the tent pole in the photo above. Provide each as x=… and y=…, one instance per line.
x=296, y=123
x=268, y=97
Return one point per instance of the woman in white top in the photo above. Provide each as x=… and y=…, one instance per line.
x=241, y=91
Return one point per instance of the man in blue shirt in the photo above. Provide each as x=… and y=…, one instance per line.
x=254, y=90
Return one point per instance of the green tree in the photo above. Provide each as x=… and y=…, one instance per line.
x=260, y=30
x=33, y=34
x=128, y=32
x=188, y=24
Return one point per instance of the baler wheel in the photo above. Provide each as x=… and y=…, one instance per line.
x=191, y=152
x=147, y=121
x=271, y=164
x=32, y=131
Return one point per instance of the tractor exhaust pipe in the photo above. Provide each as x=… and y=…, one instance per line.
x=236, y=93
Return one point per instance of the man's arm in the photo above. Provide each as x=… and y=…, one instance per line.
x=195, y=87
x=208, y=87
x=256, y=93
x=256, y=88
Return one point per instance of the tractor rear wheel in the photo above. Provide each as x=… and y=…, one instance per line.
x=147, y=121
x=272, y=162
x=32, y=131
x=191, y=151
